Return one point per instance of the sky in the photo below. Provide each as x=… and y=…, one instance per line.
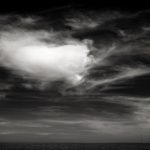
x=73, y=74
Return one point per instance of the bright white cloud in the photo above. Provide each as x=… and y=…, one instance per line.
x=27, y=54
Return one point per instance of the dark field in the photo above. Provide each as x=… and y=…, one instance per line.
x=73, y=146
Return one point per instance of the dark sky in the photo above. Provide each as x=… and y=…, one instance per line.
x=111, y=105
x=42, y=6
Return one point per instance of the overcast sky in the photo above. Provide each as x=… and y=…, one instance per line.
x=75, y=75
